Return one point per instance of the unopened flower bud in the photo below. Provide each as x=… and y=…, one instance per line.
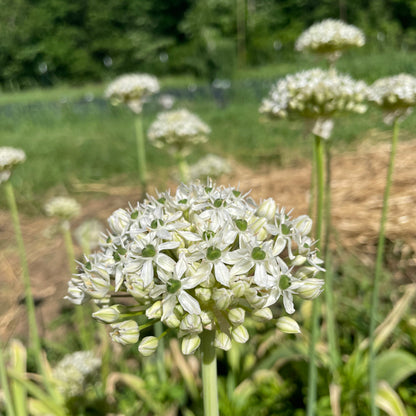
x=267, y=209
x=191, y=323
x=108, y=315
x=310, y=288
x=279, y=245
x=240, y=334
x=155, y=311
x=303, y=224
x=222, y=341
x=298, y=260
x=148, y=345
x=119, y=221
x=207, y=319
x=264, y=314
x=239, y=288
x=190, y=344
x=222, y=298
x=256, y=225
x=236, y=316
x=288, y=325
x=306, y=272
x=203, y=294
x=126, y=332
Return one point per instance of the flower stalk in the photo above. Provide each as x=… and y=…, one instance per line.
x=209, y=373
x=378, y=271
x=141, y=152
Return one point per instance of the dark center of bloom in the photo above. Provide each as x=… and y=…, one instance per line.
x=258, y=253
x=285, y=229
x=284, y=282
x=241, y=225
x=134, y=215
x=207, y=235
x=149, y=251
x=183, y=201
x=218, y=203
x=173, y=286
x=236, y=193
x=213, y=253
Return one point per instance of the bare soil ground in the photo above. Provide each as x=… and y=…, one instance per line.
x=358, y=180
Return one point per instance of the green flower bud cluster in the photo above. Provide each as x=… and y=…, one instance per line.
x=62, y=207
x=330, y=37
x=396, y=95
x=132, y=90
x=178, y=130
x=205, y=258
x=315, y=94
x=9, y=158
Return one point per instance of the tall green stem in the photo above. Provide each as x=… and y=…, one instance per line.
x=320, y=186
x=160, y=352
x=183, y=167
x=141, y=152
x=5, y=385
x=80, y=318
x=209, y=373
x=30, y=304
x=378, y=270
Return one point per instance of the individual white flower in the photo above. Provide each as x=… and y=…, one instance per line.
x=396, y=95
x=315, y=94
x=62, y=207
x=9, y=158
x=203, y=259
x=330, y=37
x=177, y=130
x=132, y=90
x=211, y=165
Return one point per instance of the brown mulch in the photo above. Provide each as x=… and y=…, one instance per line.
x=357, y=189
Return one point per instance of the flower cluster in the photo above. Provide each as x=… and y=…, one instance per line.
x=9, y=157
x=315, y=93
x=330, y=37
x=132, y=90
x=74, y=371
x=89, y=234
x=209, y=166
x=396, y=95
x=62, y=207
x=202, y=259
x=178, y=130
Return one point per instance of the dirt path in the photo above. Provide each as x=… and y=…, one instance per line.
x=357, y=188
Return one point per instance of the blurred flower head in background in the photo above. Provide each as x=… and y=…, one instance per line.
x=132, y=90
x=202, y=259
x=314, y=94
x=178, y=131
x=89, y=234
x=62, y=207
x=9, y=158
x=396, y=96
x=330, y=37
x=209, y=166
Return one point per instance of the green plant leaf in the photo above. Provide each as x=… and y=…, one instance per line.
x=389, y=401
x=394, y=366
x=18, y=357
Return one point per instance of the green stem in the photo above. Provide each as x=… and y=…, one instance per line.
x=141, y=152
x=5, y=386
x=183, y=167
x=80, y=318
x=378, y=271
x=209, y=373
x=320, y=186
x=160, y=352
x=30, y=304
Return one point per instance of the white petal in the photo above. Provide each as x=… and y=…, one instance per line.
x=147, y=272
x=241, y=267
x=180, y=267
x=222, y=274
x=189, y=303
x=119, y=278
x=260, y=275
x=169, y=245
x=189, y=236
x=288, y=302
x=165, y=262
x=168, y=305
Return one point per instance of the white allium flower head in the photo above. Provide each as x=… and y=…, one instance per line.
x=396, y=95
x=9, y=157
x=62, y=207
x=209, y=166
x=132, y=90
x=330, y=37
x=204, y=258
x=89, y=233
x=74, y=371
x=314, y=94
x=178, y=130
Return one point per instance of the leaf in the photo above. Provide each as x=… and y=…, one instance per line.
x=389, y=401
x=18, y=363
x=395, y=366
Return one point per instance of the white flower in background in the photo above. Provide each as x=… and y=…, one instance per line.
x=89, y=233
x=177, y=130
x=74, y=371
x=205, y=258
x=9, y=158
x=211, y=165
x=167, y=101
x=62, y=207
x=315, y=94
x=132, y=90
x=396, y=95
x=330, y=37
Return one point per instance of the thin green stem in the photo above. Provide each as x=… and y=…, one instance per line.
x=80, y=318
x=30, y=304
x=378, y=272
x=5, y=386
x=320, y=186
x=160, y=352
x=141, y=152
x=183, y=167
x=209, y=374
